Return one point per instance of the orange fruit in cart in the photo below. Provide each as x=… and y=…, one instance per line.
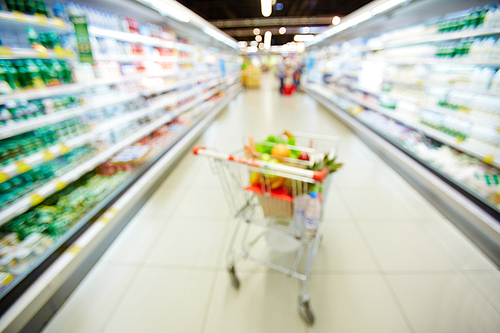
x=280, y=150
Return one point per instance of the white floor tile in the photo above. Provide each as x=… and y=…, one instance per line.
x=188, y=242
x=379, y=203
x=457, y=246
x=342, y=248
x=354, y=303
x=404, y=246
x=264, y=303
x=163, y=300
x=444, y=303
x=90, y=305
x=335, y=207
x=135, y=241
x=488, y=284
x=209, y=204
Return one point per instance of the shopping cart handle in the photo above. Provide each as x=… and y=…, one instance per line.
x=195, y=150
x=319, y=176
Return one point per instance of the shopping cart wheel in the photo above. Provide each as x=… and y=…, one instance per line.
x=306, y=313
x=234, y=278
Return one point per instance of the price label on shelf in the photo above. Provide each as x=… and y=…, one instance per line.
x=459, y=139
x=36, y=199
x=22, y=167
x=20, y=17
x=60, y=52
x=41, y=19
x=58, y=23
x=3, y=177
x=59, y=184
x=42, y=52
x=74, y=249
x=47, y=155
x=6, y=51
x=488, y=159
x=64, y=149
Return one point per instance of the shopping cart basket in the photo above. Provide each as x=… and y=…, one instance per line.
x=265, y=212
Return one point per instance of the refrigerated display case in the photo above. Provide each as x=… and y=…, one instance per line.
x=96, y=97
x=424, y=76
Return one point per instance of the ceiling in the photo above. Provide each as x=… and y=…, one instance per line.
x=238, y=18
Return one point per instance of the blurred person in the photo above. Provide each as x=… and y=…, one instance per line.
x=297, y=74
x=282, y=73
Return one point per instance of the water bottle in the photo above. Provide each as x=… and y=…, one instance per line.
x=312, y=213
x=299, y=206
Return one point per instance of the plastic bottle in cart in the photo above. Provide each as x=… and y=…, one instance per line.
x=312, y=213
x=299, y=206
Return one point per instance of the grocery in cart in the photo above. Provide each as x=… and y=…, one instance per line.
x=276, y=190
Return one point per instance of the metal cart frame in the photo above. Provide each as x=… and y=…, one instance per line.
x=259, y=206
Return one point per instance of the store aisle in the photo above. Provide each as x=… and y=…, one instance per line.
x=389, y=261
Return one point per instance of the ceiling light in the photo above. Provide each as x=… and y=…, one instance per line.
x=335, y=20
x=254, y=43
x=252, y=49
x=305, y=30
x=261, y=46
x=279, y=6
x=242, y=44
x=256, y=31
x=266, y=7
x=258, y=38
x=303, y=38
x=282, y=30
x=267, y=39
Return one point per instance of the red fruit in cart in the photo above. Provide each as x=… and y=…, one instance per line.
x=304, y=156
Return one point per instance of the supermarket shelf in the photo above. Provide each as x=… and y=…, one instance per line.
x=19, y=53
x=48, y=154
x=30, y=125
x=473, y=220
x=438, y=37
x=431, y=132
x=70, y=266
x=131, y=38
x=124, y=58
x=37, y=196
x=71, y=88
x=438, y=61
x=422, y=83
x=38, y=20
x=136, y=38
x=433, y=108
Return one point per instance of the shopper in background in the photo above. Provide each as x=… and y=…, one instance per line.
x=282, y=73
x=297, y=74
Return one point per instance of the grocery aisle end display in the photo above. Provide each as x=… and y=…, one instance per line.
x=85, y=112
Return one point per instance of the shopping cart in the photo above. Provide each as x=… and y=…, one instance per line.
x=265, y=212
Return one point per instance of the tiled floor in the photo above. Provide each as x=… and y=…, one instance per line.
x=390, y=262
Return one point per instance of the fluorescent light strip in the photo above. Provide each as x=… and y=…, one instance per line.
x=267, y=40
x=220, y=37
x=266, y=7
x=166, y=10
x=357, y=20
x=386, y=6
x=303, y=38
